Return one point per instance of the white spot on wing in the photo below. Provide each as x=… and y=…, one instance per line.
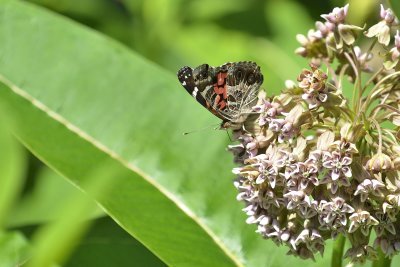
x=183, y=83
x=194, y=93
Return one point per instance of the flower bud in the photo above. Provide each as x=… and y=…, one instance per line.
x=380, y=162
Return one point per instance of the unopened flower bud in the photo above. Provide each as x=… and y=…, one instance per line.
x=337, y=16
x=388, y=16
x=380, y=162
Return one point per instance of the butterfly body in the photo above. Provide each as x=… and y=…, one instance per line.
x=228, y=91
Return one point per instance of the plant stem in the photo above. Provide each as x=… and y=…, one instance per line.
x=337, y=252
x=382, y=261
x=378, y=127
x=368, y=53
x=341, y=75
x=353, y=65
x=332, y=72
x=376, y=92
x=358, y=80
x=372, y=79
x=377, y=108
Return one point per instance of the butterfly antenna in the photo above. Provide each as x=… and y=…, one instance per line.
x=201, y=129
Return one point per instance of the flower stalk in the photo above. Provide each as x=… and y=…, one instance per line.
x=337, y=253
x=382, y=260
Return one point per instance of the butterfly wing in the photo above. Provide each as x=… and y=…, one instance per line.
x=238, y=92
x=198, y=83
x=185, y=77
x=228, y=91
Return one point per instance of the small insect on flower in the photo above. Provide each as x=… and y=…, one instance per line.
x=228, y=91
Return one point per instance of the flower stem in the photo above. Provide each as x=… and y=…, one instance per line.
x=382, y=261
x=337, y=252
x=377, y=90
x=371, y=47
x=358, y=80
x=332, y=72
x=356, y=84
x=373, y=77
x=378, y=127
x=377, y=108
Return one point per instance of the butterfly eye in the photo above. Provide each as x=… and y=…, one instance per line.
x=251, y=79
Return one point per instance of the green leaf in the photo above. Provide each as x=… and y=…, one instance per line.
x=80, y=98
x=107, y=244
x=14, y=249
x=94, y=100
x=12, y=168
x=42, y=203
x=53, y=242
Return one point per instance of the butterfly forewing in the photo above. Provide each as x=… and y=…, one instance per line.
x=185, y=76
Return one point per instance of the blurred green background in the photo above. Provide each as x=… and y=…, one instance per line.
x=171, y=33
x=174, y=33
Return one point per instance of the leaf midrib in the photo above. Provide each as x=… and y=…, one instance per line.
x=88, y=138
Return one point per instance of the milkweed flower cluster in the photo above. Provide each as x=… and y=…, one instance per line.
x=313, y=164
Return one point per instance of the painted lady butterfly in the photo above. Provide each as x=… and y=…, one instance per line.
x=228, y=91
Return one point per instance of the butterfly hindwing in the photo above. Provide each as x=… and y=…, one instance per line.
x=228, y=91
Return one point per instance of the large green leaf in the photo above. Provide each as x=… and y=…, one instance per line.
x=12, y=168
x=107, y=244
x=80, y=98
x=42, y=203
x=14, y=249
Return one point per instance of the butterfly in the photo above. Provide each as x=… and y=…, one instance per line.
x=228, y=91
